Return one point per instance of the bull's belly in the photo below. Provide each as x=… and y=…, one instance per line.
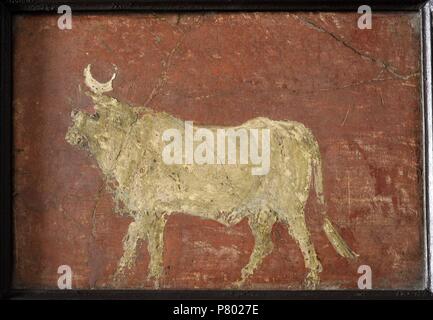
x=229, y=213
x=226, y=195
x=218, y=199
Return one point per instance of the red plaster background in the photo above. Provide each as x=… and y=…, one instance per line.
x=357, y=90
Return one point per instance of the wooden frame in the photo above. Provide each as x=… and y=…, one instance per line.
x=12, y=7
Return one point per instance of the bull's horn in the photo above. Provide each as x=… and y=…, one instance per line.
x=94, y=85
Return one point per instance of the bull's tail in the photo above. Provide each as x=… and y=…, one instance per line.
x=333, y=236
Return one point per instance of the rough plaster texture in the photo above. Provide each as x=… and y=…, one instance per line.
x=358, y=91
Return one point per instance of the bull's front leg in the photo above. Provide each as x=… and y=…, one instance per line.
x=155, y=237
x=135, y=233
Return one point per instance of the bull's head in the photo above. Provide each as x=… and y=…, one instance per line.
x=103, y=132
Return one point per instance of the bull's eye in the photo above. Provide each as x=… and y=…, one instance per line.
x=95, y=116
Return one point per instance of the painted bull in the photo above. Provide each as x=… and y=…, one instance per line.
x=127, y=145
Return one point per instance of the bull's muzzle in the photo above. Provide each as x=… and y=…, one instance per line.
x=75, y=136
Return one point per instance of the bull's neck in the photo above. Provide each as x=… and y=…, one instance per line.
x=135, y=151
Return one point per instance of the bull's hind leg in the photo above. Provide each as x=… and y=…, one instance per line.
x=261, y=227
x=298, y=230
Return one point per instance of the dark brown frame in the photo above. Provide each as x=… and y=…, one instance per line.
x=12, y=7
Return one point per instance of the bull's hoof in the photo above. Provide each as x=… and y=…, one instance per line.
x=118, y=278
x=155, y=277
x=312, y=280
x=156, y=282
x=237, y=284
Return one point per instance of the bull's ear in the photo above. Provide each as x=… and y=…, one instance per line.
x=96, y=86
x=101, y=108
x=74, y=113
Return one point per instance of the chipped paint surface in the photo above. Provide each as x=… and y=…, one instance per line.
x=127, y=144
